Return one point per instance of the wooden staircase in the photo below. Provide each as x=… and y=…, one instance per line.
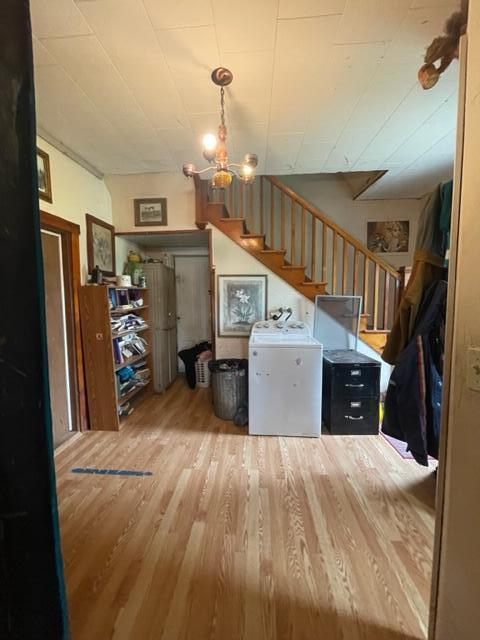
x=304, y=247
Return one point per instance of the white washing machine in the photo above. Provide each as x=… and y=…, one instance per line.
x=285, y=380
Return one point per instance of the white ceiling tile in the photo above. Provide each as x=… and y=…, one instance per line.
x=371, y=20
x=249, y=25
x=179, y=13
x=87, y=63
x=309, y=8
x=312, y=156
x=249, y=95
x=124, y=28
x=439, y=125
x=191, y=55
x=41, y=57
x=52, y=18
x=153, y=88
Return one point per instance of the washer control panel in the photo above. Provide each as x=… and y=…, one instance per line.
x=278, y=326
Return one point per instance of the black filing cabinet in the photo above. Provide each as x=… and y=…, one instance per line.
x=351, y=393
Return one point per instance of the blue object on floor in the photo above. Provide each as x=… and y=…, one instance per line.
x=111, y=472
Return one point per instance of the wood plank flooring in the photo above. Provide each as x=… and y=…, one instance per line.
x=242, y=538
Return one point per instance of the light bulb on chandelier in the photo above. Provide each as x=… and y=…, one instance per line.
x=215, y=148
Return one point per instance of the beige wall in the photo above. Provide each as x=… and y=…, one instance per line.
x=230, y=259
x=75, y=192
x=174, y=186
x=459, y=579
x=331, y=194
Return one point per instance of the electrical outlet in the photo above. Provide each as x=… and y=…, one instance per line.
x=473, y=371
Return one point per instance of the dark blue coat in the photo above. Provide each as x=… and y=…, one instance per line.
x=414, y=394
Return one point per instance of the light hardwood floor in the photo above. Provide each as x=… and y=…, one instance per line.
x=242, y=538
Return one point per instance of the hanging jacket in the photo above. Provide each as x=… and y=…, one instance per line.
x=414, y=395
x=428, y=267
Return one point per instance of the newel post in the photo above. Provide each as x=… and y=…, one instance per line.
x=200, y=203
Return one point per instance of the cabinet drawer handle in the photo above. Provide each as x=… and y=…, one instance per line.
x=356, y=386
x=354, y=418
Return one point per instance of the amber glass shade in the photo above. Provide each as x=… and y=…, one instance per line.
x=222, y=179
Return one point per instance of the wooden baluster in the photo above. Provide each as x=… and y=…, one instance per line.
x=345, y=267
x=355, y=271
x=230, y=201
x=241, y=188
x=282, y=220
x=262, y=224
x=334, y=263
x=375, y=296
x=366, y=285
x=324, y=252
x=386, y=301
x=251, y=222
x=303, y=238
x=293, y=214
x=313, y=273
x=400, y=286
x=272, y=217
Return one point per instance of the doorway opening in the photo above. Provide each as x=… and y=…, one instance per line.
x=180, y=276
x=61, y=265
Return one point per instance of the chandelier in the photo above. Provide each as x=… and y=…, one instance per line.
x=215, y=147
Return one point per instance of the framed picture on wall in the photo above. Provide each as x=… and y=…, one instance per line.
x=150, y=212
x=100, y=245
x=388, y=236
x=44, y=177
x=242, y=301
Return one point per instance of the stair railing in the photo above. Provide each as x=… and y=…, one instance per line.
x=329, y=253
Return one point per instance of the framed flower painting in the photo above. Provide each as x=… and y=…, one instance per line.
x=242, y=301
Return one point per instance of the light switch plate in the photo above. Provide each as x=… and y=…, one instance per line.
x=473, y=368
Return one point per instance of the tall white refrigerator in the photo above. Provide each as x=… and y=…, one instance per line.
x=163, y=319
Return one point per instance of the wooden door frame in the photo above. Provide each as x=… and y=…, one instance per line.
x=448, y=366
x=70, y=234
x=212, y=291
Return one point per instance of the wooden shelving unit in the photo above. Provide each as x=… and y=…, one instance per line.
x=100, y=366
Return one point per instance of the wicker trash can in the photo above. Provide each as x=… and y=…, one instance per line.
x=229, y=386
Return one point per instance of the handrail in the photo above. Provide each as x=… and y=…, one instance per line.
x=337, y=229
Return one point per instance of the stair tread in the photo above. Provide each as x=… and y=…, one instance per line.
x=376, y=331
x=232, y=219
x=293, y=266
x=314, y=284
x=247, y=236
x=278, y=251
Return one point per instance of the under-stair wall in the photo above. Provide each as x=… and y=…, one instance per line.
x=303, y=245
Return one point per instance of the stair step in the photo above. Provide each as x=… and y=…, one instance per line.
x=233, y=220
x=274, y=258
x=311, y=289
x=252, y=241
x=294, y=267
x=314, y=285
x=293, y=274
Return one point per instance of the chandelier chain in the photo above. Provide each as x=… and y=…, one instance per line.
x=222, y=105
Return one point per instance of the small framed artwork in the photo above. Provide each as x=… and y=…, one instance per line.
x=100, y=245
x=150, y=212
x=242, y=301
x=44, y=177
x=388, y=236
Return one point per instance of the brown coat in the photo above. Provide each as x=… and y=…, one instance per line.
x=428, y=267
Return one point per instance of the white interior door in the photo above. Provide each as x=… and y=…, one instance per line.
x=57, y=343
x=193, y=301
